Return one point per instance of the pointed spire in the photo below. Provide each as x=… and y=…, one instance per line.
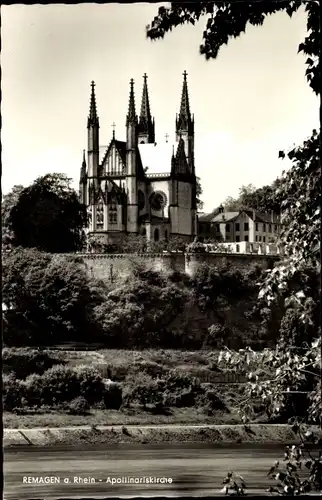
x=145, y=114
x=83, y=167
x=184, y=117
x=92, y=118
x=146, y=124
x=131, y=116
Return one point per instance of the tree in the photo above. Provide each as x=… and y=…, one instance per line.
x=48, y=299
x=227, y=20
x=8, y=202
x=264, y=199
x=199, y=192
x=46, y=215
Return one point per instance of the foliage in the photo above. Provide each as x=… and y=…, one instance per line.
x=214, y=284
x=57, y=385
x=286, y=381
x=131, y=314
x=91, y=384
x=227, y=20
x=9, y=201
x=48, y=298
x=298, y=460
x=23, y=361
x=78, y=406
x=264, y=199
x=199, y=192
x=12, y=392
x=46, y=215
x=135, y=244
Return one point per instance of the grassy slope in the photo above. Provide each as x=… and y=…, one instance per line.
x=198, y=363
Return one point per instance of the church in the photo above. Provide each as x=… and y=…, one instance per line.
x=138, y=186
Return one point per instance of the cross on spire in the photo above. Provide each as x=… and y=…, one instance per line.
x=113, y=127
x=185, y=74
x=93, y=118
x=166, y=137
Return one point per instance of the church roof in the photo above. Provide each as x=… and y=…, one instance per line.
x=120, y=146
x=157, y=157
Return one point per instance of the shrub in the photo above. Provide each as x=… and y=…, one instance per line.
x=181, y=390
x=143, y=390
x=23, y=361
x=91, y=385
x=12, y=392
x=61, y=383
x=78, y=406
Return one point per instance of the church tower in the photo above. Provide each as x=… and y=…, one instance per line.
x=185, y=126
x=92, y=157
x=131, y=164
x=146, y=133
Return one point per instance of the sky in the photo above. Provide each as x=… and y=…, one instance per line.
x=249, y=103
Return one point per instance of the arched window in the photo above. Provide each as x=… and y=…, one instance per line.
x=237, y=248
x=156, y=234
x=100, y=216
x=112, y=213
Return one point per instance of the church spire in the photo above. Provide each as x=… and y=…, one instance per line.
x=131, y=116
x=92, y=118
x=145, y=105
x=146, y=124
x=184, y=117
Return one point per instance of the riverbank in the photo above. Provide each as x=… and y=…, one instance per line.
x=254, y=433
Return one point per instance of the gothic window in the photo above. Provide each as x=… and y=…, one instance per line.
x=112, y=213
x=156, y=234
x=100, y=216
x=158, y=200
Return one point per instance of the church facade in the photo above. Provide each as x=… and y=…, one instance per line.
x=140, y=187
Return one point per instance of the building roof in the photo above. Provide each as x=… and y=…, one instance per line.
x=202, y=217
x=156, y=157
x=264, y=217
x=120, y=146
x=225, y=217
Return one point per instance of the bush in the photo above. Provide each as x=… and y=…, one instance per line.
x=23, y=361
x=91, y=386
x=78, y=406
x=60, y=384
x=143, y=390
x=12, y=392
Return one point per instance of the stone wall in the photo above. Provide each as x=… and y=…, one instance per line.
x=194, y=260
x=114, y=266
